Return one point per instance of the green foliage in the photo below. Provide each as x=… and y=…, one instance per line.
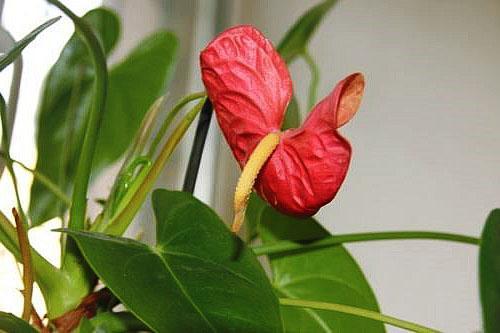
x=10, y=324
x=325, y=275
x=9, y=57
x=111, y=322
x=197, y=278
x=133, y=85
x=489, y=272
x=296, y=39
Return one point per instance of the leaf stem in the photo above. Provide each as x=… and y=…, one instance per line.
x=314, y=83
x=300, y=246
x=119, y=224
x=73, y=264
x=41, y=178
x=170, y=117
x=78, y=208
x=6, y=148
x=24, y=245
x=357, y=312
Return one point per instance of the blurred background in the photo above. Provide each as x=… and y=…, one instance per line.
x=426, y=141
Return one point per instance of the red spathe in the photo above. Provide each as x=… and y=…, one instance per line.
x=250, y=88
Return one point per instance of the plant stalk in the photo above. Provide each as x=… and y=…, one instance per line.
x=357, y=312
x=24, y=245
x=281, y=247
x=197, y=148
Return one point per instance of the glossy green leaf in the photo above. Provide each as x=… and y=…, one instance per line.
x=9, y=57
x=489, y=272
x=197, y=278
x=296, y=39
x=326, y=275
x=12, y=324
x=133, y=86
x=111, y=322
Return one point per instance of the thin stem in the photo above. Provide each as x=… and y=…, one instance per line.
x=170, y=117
x=77, y=211
x=119, y=224
x=44, y=180
x=73, y=264
x=24, y=244
x=6, y=148
x=44, y=271
x=197, y=148
x=357, y=312
x=292, y=246
x=313, y=85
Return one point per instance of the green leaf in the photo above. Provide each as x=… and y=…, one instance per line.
x=292, y=115
x=489, y=272
x=197, y=278
x=111, y=322
x=296, y=39
x=326, y=275
x=133, y=86
x=12, y=324
x=9, y=57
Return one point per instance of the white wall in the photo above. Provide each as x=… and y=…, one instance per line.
x=426, y=141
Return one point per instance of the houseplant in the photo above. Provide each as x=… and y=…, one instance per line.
x=198, y=277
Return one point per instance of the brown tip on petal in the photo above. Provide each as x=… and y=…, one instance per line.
x=350, y=98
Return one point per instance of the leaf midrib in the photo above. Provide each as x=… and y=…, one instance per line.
x=183, y=289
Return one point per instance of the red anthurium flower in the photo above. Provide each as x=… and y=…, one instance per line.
x=250, y=88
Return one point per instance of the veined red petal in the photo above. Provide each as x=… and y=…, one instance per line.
x=249, y=86
x=309, y=165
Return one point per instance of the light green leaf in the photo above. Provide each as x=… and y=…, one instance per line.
x=132, y=87
x=197, y=278
x=111, y=322
x=326, y=275
x=9, y=57
x=12, y=324
x=296, y=39
x=489, y=272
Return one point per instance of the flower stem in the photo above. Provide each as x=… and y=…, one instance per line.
x=357, y=312
x=197, y=148
x=296, y=246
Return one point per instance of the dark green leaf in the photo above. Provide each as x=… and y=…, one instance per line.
x=197, y=278
x=489, y=272
x=327, y=275
x=296, y=39
x=111, y=322
x=9, y=57
x=12, y=324
x=133, y=85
